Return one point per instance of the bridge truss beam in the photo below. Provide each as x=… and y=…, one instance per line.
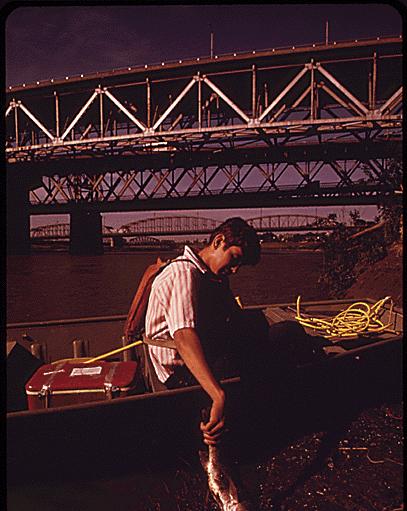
x=279, y=183
x=265, y=99
x=295, y=126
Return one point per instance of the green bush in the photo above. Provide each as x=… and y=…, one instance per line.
x=345, y=258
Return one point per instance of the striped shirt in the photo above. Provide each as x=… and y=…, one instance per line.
x=173, y=305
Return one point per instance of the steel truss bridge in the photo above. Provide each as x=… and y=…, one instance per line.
x=184, y=225
x=62, y=231
x=288, y=126
x=314, y=125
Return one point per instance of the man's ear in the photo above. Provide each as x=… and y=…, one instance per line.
x=218, y=240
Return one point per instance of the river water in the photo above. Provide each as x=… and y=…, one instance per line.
x=56, y=285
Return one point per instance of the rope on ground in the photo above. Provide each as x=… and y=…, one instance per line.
x=366, y=449
x=383, y=460
x=359, y=318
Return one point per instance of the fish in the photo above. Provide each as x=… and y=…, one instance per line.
x=220, y=482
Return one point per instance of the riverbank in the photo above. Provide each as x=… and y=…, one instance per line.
x=380, y=279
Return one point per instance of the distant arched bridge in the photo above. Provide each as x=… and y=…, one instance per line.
x=185, y=225
x=170, y=225
x=61, y=231
x=144, y=240
x=198, y=225
x=293, y=223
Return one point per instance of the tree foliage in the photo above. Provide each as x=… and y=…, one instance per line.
x=389, y=211
x=344, y=257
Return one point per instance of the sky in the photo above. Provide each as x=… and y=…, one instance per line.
x=51, y=42
x=43, y=42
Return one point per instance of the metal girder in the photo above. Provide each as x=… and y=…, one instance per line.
x=326, y=195
x=358, y=104
x=293, y=169
x=237, y=180
x=263, y=126
x=183, y=93
x=124, y=109
x=20, y=105
x=229, y=102
x=299, y=151
x=181, y=139
x=346, y=109
x=393, y=101
x=78, y=115
x=283, y=93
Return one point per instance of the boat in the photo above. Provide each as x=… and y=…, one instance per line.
x=127, y=432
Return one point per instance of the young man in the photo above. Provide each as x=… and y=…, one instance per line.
x=191, y=303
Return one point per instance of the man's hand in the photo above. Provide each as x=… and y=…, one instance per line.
x=213, y=429
x=190, y=349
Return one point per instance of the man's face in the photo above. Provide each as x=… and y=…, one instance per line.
x=226, y=260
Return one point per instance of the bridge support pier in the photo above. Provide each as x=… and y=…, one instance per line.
x=85, y=232
x=117, y=242
x=18, y=216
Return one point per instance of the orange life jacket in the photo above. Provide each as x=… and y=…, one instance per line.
x=135, y=322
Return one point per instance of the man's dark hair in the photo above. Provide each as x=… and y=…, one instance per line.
x=239, y=233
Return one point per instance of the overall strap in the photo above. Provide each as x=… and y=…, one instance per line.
x=161, y=343
x=184, y=260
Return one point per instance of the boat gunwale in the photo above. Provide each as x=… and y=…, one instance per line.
x=20, y=414
x=111, y=402
x=355, y=352
x=121, y=317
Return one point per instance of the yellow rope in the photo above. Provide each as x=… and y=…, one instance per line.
x=88, y=360
x=359, y=318
x=136, y=343
x=113, y=352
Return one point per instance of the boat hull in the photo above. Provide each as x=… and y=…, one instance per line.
x=130, y=433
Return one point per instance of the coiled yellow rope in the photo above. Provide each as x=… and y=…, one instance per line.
x=358, y=319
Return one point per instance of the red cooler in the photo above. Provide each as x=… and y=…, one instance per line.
x=69, y=382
